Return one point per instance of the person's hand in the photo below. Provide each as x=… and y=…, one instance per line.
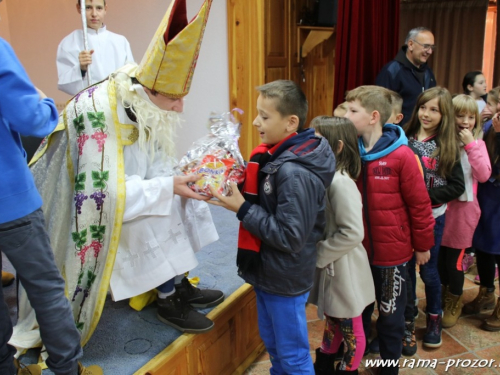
x=422, y=257
x=495, y=121
x=232, y=202
x=41, y=93
x=182, y=189
x=486, y=114
x=85, y=58
x=466, y=136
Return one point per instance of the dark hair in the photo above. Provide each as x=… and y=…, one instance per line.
x=336, y=129
x=469, y=79
x=290, y=99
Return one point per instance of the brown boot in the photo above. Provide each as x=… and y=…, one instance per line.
x=493, y=322
x=484, y=301
x=7, y=278
x=452, y=309
x=91, y=370
x=27, y=370
x=444, y=291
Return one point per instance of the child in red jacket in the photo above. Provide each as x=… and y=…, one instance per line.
x=397, y=212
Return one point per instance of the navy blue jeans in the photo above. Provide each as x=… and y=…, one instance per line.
x=283, y=328
x=27, y=246
x=390, y=292
x=429, y=272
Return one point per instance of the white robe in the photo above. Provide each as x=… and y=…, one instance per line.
x=111, y=51
x=161, y=231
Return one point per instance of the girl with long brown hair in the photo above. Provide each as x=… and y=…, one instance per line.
x=432, y=135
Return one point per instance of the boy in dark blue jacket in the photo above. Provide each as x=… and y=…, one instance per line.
x=24, y=110
x=282, y=217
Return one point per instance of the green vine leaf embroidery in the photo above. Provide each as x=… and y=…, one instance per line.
x=79, y=125
x=90, y=278
x=97, y=231
x=97, y=119
x=79, y=238
x=80, y=325
x=99, y=178
x=80, y=181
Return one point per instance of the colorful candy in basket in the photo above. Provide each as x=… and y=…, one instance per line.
x=216, y=157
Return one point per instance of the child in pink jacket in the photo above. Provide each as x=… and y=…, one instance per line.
x=463, y=213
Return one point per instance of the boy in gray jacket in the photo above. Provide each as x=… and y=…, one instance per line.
x=281, y=209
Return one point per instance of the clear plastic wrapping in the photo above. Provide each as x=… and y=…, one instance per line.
x=216, y=156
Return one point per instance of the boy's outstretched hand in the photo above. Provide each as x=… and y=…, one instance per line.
x=422, y=257
x=232, y=202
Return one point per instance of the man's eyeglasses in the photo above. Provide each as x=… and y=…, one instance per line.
x=426, y=46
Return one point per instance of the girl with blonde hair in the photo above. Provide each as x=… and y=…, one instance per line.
x=463, y=213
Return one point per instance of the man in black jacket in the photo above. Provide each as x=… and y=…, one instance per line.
x=408, y=74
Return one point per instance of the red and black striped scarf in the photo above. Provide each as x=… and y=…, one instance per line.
x=248, y=256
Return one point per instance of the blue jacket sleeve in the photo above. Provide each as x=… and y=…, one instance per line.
x=386, y=78
x=20, y=104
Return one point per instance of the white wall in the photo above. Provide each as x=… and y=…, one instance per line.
x=35, y=27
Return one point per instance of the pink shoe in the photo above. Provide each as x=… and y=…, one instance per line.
x=467, y=262
x=476, y=279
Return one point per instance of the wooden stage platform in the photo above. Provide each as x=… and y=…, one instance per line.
x=229, y=348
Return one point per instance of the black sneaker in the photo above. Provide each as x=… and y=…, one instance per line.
x=409, y=340
x=199, y=298
x=175, y=312
x=432, y=337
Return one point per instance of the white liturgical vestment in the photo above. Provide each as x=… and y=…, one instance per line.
x=161, y=231
x=111, y=51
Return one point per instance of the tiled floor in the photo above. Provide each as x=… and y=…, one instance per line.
x=464, y=341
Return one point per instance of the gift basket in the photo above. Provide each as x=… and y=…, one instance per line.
x=216, y=156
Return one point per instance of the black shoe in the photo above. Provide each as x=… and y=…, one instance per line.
x=432, y=337
x=374, y=345
x=409, y=340
x=199, y=298
x=324, y=364
x=175, y=312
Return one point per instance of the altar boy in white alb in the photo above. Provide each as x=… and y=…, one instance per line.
x=107, y=51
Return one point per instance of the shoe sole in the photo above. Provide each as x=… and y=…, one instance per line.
x=429, y=345
x=490, y=329
x=184, y=330
x=408, y=354
x=207, y=305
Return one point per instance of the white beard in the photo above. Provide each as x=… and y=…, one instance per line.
x=157, y=127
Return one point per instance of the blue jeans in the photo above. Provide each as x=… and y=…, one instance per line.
x=27, y=246
x=429, y=271
x=283, y=328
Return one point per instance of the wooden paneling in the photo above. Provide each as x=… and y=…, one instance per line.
x=263, y=47
x=246, y=63
x=229, y=348
x=318, y=68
